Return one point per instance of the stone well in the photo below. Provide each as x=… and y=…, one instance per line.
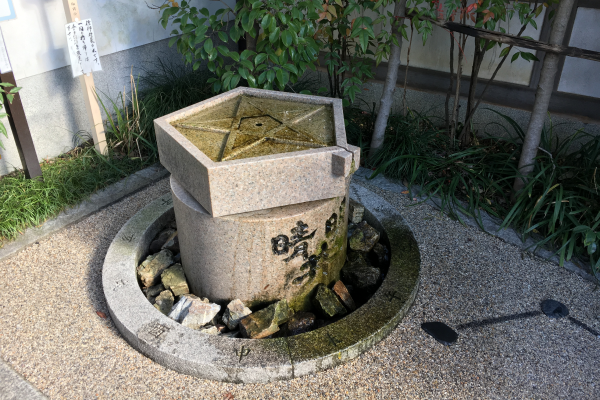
x=260, y=184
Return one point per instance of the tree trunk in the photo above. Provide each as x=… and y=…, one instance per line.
x=542, y=95
x=389, y=87
x=454, y=120
x=449, y=92
x=465, y=136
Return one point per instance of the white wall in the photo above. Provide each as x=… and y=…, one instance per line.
x=36, y=40
x=435, y=54
x=581, y=76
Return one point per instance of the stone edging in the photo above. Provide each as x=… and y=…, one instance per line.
x=97, y=201
x=263, y=360
x=491, y=225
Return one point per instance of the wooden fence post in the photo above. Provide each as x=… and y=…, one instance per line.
x=17, y=119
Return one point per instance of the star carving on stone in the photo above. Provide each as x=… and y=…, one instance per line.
x=257, y=126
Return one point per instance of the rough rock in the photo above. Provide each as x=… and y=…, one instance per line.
x=301, y=322
x=164, y=302
x=211, y=330
x=364, y=237
x=344, y=295
x=234, y=313
x=379, y=255
x=361, y=278
x=174, y=278
x=153, y=291
x=327, y=303
x=172, y=243
x=200, y=314
x=157, y=244
x=266, y=321
x=356, y=259
x=180, y=309
x=149, y=271
x=357, y=211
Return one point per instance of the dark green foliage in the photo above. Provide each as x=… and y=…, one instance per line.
x=560, y=205
x=68, y=179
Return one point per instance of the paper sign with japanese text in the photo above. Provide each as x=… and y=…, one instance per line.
x=82, y=47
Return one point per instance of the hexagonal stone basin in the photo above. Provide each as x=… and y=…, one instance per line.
x=247, y=126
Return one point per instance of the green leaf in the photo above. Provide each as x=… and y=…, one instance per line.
x=262, y=77
x=270, y=75
x=234, y=55
x=291, y=68
x=515, y=56
x=234, y=81
x=286, y=38
x=260, y=58
x=248, y=64
x=505, y=51
x=274, y=36
x=208, y=45
x=167, y=13
x=223, y=36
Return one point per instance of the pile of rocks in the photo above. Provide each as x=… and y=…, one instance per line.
x=164, y=283
x=367, y=260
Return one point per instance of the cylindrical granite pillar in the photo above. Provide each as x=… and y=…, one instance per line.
x=261, y=256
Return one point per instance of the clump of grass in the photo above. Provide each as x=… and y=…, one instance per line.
x=72, y=177
x=68, y=179
x=560, y=202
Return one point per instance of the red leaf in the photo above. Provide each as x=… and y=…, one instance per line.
x=101, y=314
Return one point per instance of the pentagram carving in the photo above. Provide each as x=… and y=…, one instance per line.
x=245, y=127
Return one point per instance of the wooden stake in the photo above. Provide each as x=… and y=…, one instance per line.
x=89, y=90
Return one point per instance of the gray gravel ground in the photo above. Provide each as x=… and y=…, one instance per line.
x=51, y=334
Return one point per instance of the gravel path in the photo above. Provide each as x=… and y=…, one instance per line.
x=50, y=331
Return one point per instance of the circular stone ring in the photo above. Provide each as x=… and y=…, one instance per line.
x=257, y=360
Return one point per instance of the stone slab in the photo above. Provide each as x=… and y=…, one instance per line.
x=14, y=387
x=262, y=360
x=97, y=201
x=237, y=186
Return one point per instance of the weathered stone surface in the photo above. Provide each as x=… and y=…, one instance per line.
x=153, y=291
x=364, y=237
x=172, y=243
x=200, y=314
x=234, y=313
x=149, y=271
x=179, y=310
x=340, y=289
x=361, y=278
x=357, y=211
x=164, y=302
x=356, y=260
x=158, y=243
x=211, y=330
x=379, y=255
x=266, y=321
x=300, y=323
x=327, y=303
x=173, y=278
